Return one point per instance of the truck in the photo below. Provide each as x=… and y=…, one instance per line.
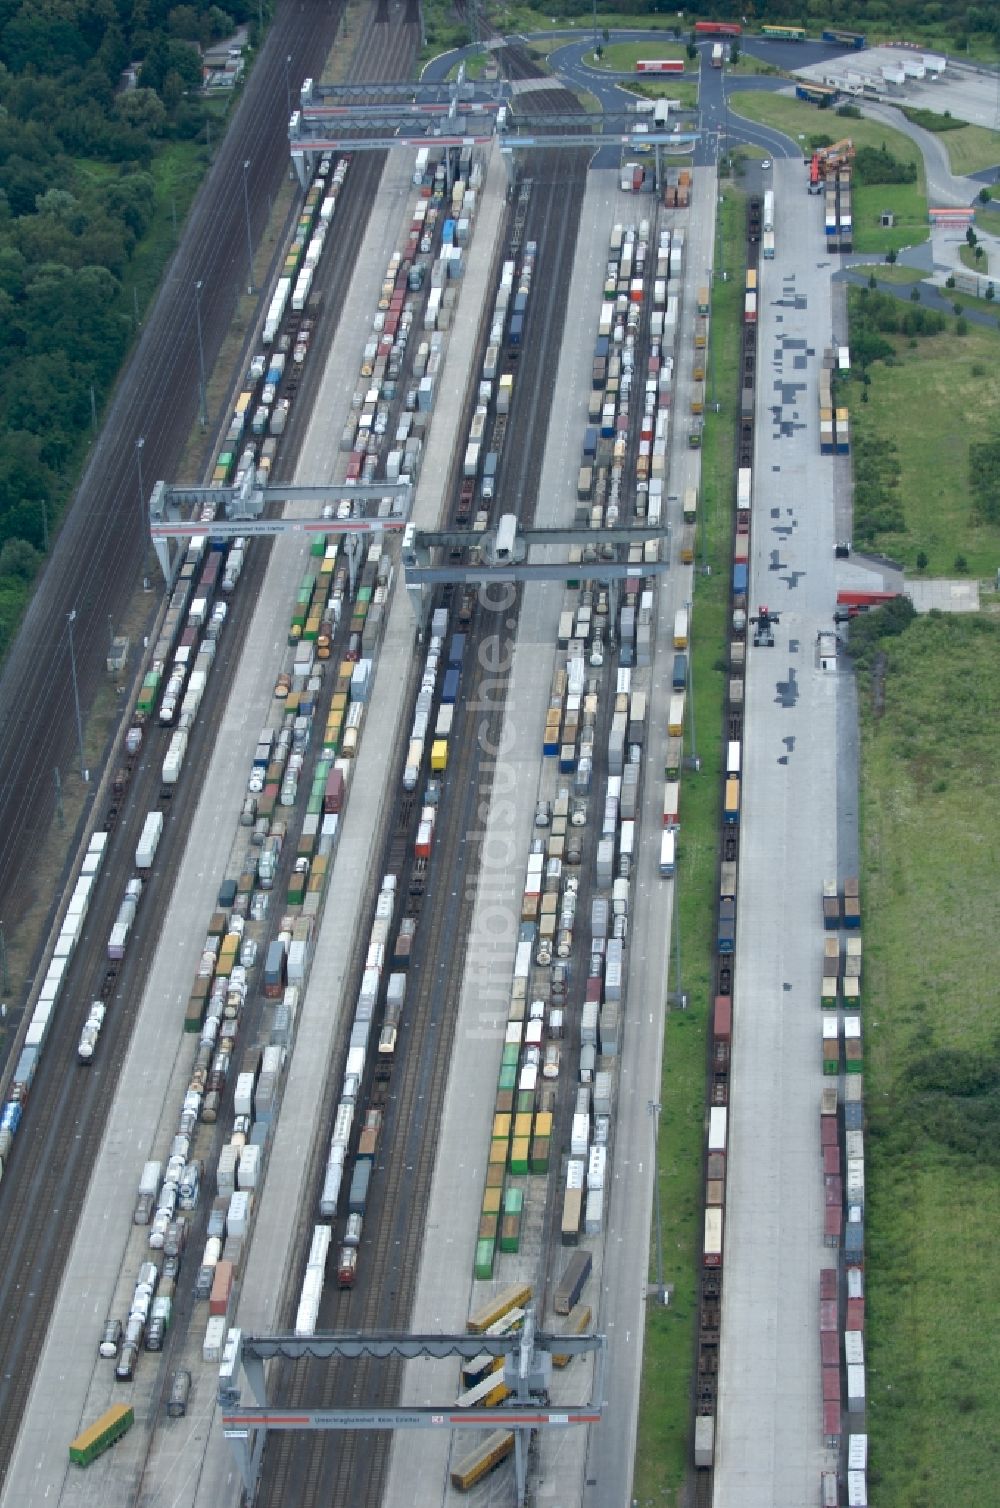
x=149, y=840
x=717, y=55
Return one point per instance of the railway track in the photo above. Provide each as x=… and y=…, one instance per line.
x=94, y=564
x=50, y=1169
x=353, y=1468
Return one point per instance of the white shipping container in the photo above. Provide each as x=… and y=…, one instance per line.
x=215, y=1336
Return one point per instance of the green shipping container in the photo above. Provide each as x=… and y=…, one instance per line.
x=519, y=1155
x=96, y=1439
x=193, y=1015
x=485, y=1250
x=510, y=1233
x=314, y=805
x=318, y=546
x=511, y=1053
x=525, y=1101
x=508, y=1077
x=513, y=1202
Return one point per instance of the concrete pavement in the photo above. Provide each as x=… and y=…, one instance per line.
x=769, y=1445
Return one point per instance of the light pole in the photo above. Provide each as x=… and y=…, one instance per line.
x=142, y=513
x=288, y=87
x=70, y=620
x=202, y=395
x=246, y=206
x=653, y=1106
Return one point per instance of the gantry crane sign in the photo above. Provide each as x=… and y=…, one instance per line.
x=527, y=1359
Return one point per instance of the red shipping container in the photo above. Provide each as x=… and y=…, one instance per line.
x=833, y=1223
x=828, y=1130
x=828, y=1282
x=222, y=1287
x=593, y=991
x=828, y=1315
x=831, y=1161
x=834, y=1190
x=855, y=1314
x=828, y=1349
x=831, y=1422
x=831, y=1385
x=723, y=1022
x=425, y=837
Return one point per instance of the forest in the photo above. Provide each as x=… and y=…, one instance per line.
x=82, y=185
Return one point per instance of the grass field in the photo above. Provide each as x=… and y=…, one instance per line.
x=931, y=831
x=621, y=57
x=957, y=381
x=907, y=201
x=685, y=94
x=970, y=148
x=893, y=272
x=967, y=257
x=665, y=1404
x=987, y=219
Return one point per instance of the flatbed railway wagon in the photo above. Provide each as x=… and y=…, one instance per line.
x=102, y=1434
x=480, y=1461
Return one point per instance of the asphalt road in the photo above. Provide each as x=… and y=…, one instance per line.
x=96, y=560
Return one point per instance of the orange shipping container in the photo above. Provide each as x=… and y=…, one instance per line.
x=222, y=1287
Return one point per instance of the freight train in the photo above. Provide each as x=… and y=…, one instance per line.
x=720, y=1040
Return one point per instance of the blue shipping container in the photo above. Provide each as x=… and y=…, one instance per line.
x=516, y=329
x=740, y=580
x=450, y=692
x=448, y=233
x=456, y=651
x=359, y=1186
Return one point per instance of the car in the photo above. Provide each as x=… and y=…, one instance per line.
x=766, y=163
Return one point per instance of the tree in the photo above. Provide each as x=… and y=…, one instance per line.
x=891, y=255
x=961, y=565
x=19, y=558
x=872, y=280
x=143, y=109
x=984, y=196
x=970, y=235
x=978, y=252
x=914, y=294
x=990, y=292
x=922, y=561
